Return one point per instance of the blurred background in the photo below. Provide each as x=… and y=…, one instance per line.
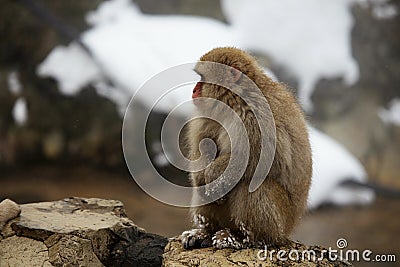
x=69, y=68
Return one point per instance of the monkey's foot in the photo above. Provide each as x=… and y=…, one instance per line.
x=225, y=239
x=196, y=238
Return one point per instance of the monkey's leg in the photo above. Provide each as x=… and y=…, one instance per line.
x=199, y=236
x=264, y=216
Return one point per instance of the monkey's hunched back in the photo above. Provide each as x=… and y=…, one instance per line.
x=269, y=214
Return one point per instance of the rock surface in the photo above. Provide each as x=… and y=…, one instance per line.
x=77, y=232
x=96, y=232
x=8, y=210
x=176, y=256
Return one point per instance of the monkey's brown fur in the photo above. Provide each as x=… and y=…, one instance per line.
x=270, y=213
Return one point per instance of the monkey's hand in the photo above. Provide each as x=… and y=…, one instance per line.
x=216, y=168
x=215, y=171
x=196, y=238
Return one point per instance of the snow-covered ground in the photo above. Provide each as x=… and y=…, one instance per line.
x=332, y=164
x=392, y=114
x=309, y=38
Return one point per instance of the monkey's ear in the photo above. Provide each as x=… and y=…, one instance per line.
x=236, y=74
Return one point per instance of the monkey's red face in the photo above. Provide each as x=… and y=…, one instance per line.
x=197, y=90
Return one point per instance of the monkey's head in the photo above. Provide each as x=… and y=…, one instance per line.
x=241, y=64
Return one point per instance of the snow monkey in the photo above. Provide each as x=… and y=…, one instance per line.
x=268, y=215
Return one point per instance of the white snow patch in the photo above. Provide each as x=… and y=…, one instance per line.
x=332, y=164
x=310, y=38
x=20, y=111
x=14, y=84
x=381, y=9
x=385, y=12
x=71, y=66
x=392, y=114
x=109, y=11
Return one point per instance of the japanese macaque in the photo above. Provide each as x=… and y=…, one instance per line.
x=8, y=210
x=268, y=215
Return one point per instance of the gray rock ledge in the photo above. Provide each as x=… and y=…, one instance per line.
x=77, y=232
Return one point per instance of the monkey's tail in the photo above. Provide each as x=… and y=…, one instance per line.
x=381, y=190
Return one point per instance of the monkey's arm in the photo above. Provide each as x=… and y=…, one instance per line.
x=216, y=168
